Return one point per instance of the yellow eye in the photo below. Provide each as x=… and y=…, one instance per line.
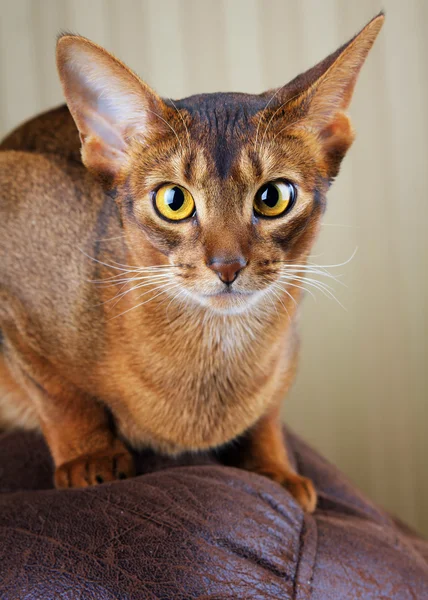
x=174, y=202
x=274, y=198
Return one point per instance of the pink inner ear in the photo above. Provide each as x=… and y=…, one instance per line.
x=108, y=102
x=336, y=138
x=340, y=127
x=99, y=127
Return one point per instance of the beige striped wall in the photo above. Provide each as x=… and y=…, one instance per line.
x=361, y=394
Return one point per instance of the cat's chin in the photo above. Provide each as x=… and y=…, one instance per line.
x=229, y=303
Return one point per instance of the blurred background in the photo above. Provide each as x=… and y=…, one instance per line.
x=361, y=394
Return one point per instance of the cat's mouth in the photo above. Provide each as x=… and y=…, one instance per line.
x=229, y=300
x=227, y=292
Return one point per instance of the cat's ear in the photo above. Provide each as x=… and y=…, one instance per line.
x=318, y=99
x=109, y=103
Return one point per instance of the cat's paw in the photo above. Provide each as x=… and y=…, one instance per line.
x=91, y=469
x=302, y=489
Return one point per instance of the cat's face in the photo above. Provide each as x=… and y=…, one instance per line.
x=227, y=189
x=226, y=199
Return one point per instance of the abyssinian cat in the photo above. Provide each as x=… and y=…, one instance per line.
x=151, y=270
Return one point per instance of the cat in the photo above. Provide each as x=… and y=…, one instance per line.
x=152, y=260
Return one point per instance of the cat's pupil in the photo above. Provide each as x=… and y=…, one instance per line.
x=174, y=197
x=269, y=195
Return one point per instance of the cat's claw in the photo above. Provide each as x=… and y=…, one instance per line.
x=303, y=490
x=91, y=469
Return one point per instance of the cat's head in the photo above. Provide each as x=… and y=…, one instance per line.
x=229, y=188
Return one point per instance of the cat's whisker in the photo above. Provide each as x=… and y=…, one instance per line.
x=144, y=268
x=275, y=113
x=347, y=261
x=298, y=274
x=263, y=112
x=121, y=267
x=137, y=272
x=297, y=278
x=293, y=277
x=166, y=123
x=274, y=95
x=312, y=271
x=182, y=294
x=111, y=283
x=184, y=123
x=120, y=295
x=322, y=287
x=317, y=274
x=313, y=268
x=114, y=282
x=145, y=301
x=288, y=294
x=128, y=269
x=158, y=287
x=108, y=280
x=288, y=283
x=276, y=294
x=103, y=263
x=137, y=287
x=269, y=297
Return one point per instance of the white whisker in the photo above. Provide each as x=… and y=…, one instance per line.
x=181, y=293
x=128, y=268
x=275, y=293
x=322, y=287
x=124, y=280
x=290, y=295
x=288, y=283
x=292, y=277
x=312, y=271
x=120, y=295
x=172, y=286
x=184, y=123
x=166, y=123
x=103, y=263
x=269, y=297
x=275, y=113
x=144, y=268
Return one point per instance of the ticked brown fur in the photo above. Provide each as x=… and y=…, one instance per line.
x=180, y=363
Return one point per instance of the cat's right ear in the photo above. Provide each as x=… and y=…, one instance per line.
x=109, y=103
x=318, y=100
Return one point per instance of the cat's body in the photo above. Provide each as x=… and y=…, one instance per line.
x=201, y=398
x=111, y=300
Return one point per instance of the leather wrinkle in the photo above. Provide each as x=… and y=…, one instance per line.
x=74, y=548
x=191, y=528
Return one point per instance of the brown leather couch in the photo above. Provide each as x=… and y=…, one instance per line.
x=191, y=528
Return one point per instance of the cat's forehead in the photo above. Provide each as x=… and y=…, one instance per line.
x=226, y=134
x=222, y=110
x=221, y=125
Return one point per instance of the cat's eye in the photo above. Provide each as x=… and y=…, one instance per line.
x=174, y=202
x=274, y=198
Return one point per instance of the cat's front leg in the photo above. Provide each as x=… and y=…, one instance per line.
x=76, y=427
x=262, y=450
x=84, y=449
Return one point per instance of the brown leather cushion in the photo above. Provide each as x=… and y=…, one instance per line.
x=191, y=528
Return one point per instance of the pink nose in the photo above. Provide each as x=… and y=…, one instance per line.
x=227, y=270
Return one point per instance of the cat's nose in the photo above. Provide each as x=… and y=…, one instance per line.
x=227, y=270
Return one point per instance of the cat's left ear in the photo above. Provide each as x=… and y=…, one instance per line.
x=318, y=99
x=110, y=105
